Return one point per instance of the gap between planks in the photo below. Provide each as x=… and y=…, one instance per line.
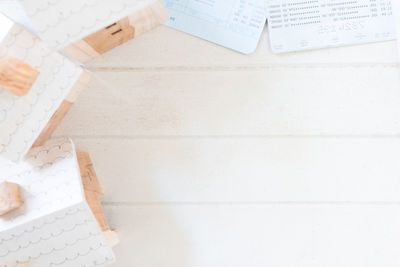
x=176, y=137
x=253, y=203
x=200, y=68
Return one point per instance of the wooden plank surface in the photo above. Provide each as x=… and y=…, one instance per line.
x=143, y=20
x=167, y=48
x=208, y=157
x=63, y=109
x=257, y=235
x=210, y=170
x=274, y=101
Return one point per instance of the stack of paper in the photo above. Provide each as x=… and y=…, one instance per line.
x=294, y=25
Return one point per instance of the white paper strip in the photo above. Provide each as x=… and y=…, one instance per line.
x=236, y=24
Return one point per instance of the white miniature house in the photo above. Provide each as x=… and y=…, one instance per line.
x=37, y=87
x=50, y=211
x=84, y=29
x=55, y=226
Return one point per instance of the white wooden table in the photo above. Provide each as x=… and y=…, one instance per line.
x=212, y=158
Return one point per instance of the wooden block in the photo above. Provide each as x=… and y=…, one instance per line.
x=93, y=191
x=111, y=36
x=78, y=87
x=111, y=238
x=19, y=264
x=23, y=264
x=10, y=197
x=81, y=51
x=118, y=33
x=17, y=76
x=89, y=177
x=65, y=106
x=55, y=120
x=93, y=201
x=148, y=18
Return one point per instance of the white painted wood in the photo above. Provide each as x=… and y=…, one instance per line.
x=212, y=158
x=165, y=47
x=246, y=169
x=257, y=235
x=272, y=101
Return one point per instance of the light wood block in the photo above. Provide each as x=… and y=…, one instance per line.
x=10, y=197
x=93, y=201
x=93, y=194
x=111, y=238
x=148, y=18
x=118, y=33
x=17, y=76
x=111, y=36
x=78, y=87
x=65, y=106
x=89, y=177
x=53, y=123
x=246, y=169
x=18, y=264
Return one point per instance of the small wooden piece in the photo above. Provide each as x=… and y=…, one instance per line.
x=10, y=197
x=17, y=76
x=111, y=37
x=111, y=238
x=25, y=264
x=19, y=264
x=55, y=120
x=118, y=33
x=93, y=194
x=65, y=106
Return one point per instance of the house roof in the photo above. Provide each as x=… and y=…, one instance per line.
x=22, y=118
x=62, y=22
x=55, y=226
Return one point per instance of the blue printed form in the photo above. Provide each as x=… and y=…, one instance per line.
x=236, y=24
x=301, y=25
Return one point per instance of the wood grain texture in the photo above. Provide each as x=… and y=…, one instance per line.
x=81, y=84
x=251, y=169
x=92, y=188
x=118, y=33
x=19, y=264
x=10, y=197
x=148, y=18
x=231, y=160
x=81, y=51
x=17, y=76
x=93, y=194
x=55, y=120
x=275, y=101
x=256, y=235
x=111, y=36
x=169, y=49
x=64, y=108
